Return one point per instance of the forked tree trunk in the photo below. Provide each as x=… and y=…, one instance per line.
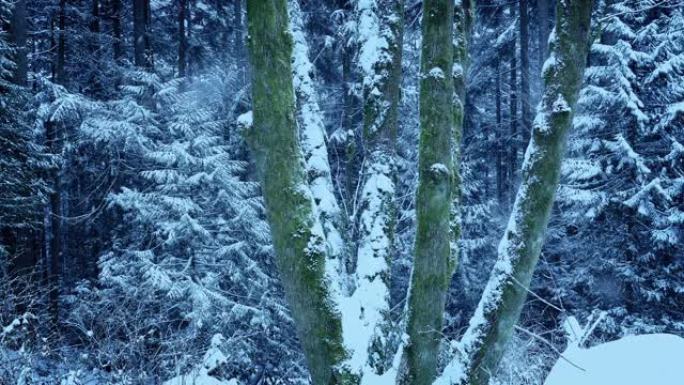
x=499, y=309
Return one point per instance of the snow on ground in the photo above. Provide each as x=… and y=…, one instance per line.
x=651, y=359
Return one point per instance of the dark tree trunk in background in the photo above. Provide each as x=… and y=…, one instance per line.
x=149, y=53
x=500, y=167
x=53, y=233
x=94, y=27
x=117, y=44
x=141, y=42
x=525, y=72
x=60, y=75
x=18, y=37
x=182, y=38
x=513, y=116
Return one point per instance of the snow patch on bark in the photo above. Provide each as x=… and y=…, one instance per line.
x=373, y=45
x=313, y=138
x=363, y=313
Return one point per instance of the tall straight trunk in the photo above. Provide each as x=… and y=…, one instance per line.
x=526, y=112
x=433, y=263
x=500, y=166
x=298, y=238
x=117, y=43
x=18, y=38
x=513, y=115
x=502, y=301
x=141, y=40
x=182, y=38
x=94, y=27
x=60, y=74
x=53, y=232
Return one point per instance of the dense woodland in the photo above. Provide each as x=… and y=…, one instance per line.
x=334, y=192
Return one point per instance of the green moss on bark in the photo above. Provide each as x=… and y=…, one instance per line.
x=523, y=240
x=300, y=251
x=432, y=261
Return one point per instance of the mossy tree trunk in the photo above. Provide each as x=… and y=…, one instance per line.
x=433, y=262
x=499, y=309
x=298, y=239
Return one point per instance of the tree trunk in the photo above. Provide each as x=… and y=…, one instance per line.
x=501, y=303
x=513, y=122
x=182, y=38
x=149, y=53
x=94, y=27
x=60, y=75
x=500, y=166
x=298, y=239
x=18, y=38
x=54, y=231
x=117, y=44
x=525, y=71
x=381, y=71
x=433, y=263
x=141, y=41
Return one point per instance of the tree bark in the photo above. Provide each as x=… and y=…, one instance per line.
x=526, y=112
x=182, y=38
x=54, y=231
x=94, y=27
x=500, y=306
x=513, y=122
x=298, y=239
x=141, y=41
x=500, y=166
x=60, y=75
x=433, y=263
x=117, y=43
x=18, y=39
